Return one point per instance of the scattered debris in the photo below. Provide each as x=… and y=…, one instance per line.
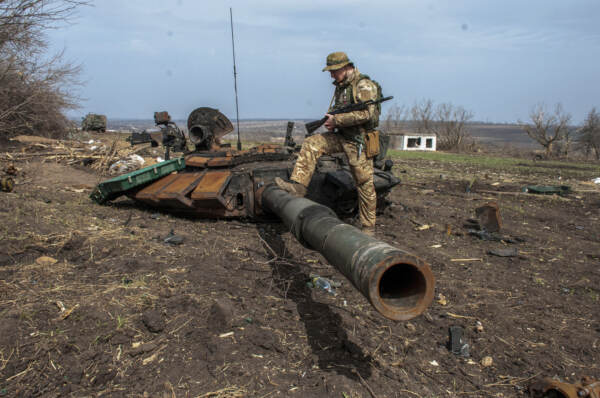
x=457, y=344
x=596, y=180
x=34, y=139
x=45, y=261
x=470, y=184
x=511, y=252
x=173, y=239
x=547, y=189
x=323, y=283
x=494, y=236
x=151, y=358
x=11, y=170
x=486, y=362
x=550, y=388
x=489, y=218
x=478, y=327
x=455, y=260
x=333, y=283
x=65, y=314
x=7, y=184
x=434, y=363
x=457, y=316
x=61, y=306
x=139, y=347
x=131, y=163
x=442, y=299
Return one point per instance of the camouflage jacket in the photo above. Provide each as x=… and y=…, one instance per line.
x=355, y=89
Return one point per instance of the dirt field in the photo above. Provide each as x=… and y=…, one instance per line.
x=94, y=303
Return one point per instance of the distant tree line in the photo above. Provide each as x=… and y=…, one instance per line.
x=553, y=131
x=34, y=87
x=449, y=123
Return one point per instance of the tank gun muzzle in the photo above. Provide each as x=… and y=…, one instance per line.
x=398, y=284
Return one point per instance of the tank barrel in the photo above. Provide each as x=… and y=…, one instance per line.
x=398, y=284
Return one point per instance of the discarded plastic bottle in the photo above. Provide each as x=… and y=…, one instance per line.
x=324, y=284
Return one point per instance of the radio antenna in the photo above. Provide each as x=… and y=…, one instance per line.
x=237, y=111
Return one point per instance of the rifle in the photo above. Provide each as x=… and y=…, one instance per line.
x=315, y=124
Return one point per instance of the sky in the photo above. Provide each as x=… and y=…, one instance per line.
x=496, y=58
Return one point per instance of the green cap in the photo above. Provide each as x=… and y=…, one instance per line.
x=336, y=61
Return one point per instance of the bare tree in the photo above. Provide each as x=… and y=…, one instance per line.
x=589, y=134
x=450, y=126
x=547, y=128
x=422, y=116
x=396, y=118
x=34, y=87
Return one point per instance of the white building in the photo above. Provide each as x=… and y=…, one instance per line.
x=413, y=142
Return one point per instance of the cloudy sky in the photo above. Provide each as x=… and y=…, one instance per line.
x=496, y=58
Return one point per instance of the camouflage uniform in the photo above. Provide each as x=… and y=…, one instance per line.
x=348, y=137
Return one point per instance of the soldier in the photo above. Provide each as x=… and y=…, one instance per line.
x=346, y=133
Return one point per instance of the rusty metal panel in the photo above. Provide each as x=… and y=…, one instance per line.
x=221, y=162
x=212, y=185
x=182, y=184
x=176, y=193
x=489, y=217
x=148, y=194
x=196, y=161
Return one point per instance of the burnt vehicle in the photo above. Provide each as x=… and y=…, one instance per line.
x=215, y=181
x=212, y=180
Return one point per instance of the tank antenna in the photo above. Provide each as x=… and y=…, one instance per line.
x=237, y=111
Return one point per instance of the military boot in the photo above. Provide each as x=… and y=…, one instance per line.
x=291, y=187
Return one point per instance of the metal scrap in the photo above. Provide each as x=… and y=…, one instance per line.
x=489, y=218
x=512, y=252
x=547, y=189
x=6, y=184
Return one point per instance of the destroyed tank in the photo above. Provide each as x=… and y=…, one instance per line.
x=212, y=180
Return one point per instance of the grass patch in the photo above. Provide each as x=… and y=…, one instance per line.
x=120, y=321
x=521, y=166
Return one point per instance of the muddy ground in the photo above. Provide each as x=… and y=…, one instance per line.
x=94, y=303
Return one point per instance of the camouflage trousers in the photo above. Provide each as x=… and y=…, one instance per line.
x=361, y=168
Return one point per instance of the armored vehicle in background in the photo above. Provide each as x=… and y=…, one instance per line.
x=94, y=122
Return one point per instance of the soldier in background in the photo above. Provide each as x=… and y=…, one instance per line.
x=346, y=133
